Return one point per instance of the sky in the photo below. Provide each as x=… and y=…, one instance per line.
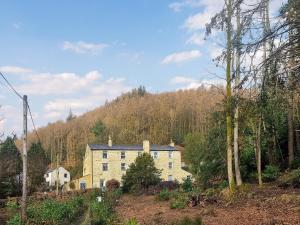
x=76, y=55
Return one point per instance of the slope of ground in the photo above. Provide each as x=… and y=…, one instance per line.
x=269, y=205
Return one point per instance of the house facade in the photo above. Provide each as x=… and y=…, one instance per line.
x=51, y=176
x=105, y=162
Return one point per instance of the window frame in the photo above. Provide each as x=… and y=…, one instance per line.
x=170, y=165
x=103, y=166
x=170, y=154
x=155, y=155
x=123, y=168
x=104, y=153
x=170, y=176
x=123, y=155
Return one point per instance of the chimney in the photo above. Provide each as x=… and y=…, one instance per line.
x=146, y=146
x=109, y=141
x=172, y=144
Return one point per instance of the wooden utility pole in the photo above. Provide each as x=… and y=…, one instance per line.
x=24, y=188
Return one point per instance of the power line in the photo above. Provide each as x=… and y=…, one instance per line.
x=33, y=124
x=11, y=87
x=20, y=96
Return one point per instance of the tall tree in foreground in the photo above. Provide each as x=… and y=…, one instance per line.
x=237, y=88
x=228, y=94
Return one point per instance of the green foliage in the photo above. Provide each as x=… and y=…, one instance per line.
x=205, y=153
x=132, y=221
x=12, y=206
x=189, y=221
x=10, y=168
x=37, y=165
x=291, y=178
x=100, y=213
x=179, y=201
x=99, y=130
x=187, y=184
x=164, y=195
x=15, y=220
x=141, y=174
x=271, y=173
x=53, y=212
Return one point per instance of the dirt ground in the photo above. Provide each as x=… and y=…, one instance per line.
x=268, y=206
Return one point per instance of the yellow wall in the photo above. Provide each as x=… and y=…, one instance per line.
x=93, y=161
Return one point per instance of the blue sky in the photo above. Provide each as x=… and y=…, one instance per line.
x=77, y=54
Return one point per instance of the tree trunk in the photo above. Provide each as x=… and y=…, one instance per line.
x=258, y=152
x=228, y=98
x=236, y=110
x=290, y=131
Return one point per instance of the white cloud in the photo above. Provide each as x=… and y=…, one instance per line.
x=84, y=47
x=54, y=84
x=191, y=83
x=196, y=39
x=15, y=70
x=179, y=57
x=177, y=6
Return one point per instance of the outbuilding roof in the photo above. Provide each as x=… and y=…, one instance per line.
x=131, y=147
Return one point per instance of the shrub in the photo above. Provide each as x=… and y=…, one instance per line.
x=72, y=185
x=53, y=212
x=100, y=213
x=132, y=221
x=141, y=174
x=188, y=221
x=164, y=195
x=178, y=202
x=270, y=173
x=15, y=220
x=187, y=184
x=170, y=185
x=112, y=184
x=290, y=179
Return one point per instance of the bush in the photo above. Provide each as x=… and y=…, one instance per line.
x=141, y=174
x=15, y=220
x=72, y=185
x=290, y=179
x=188, y=221
x=164, y=195
x=179, y=202
x=169, y=185
x=100, y=213
x=187, y=184
x=53, y=212
x=132, y=221
x=112, y=184
x=270, y=173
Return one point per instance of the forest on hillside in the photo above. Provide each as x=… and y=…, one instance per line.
x=130, y=119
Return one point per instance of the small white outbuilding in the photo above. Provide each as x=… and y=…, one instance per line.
x=51, y=176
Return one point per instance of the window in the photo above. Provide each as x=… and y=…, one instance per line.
x=139, y=153
x=82, y=185
x=170, y=178
x=66, y=175
x=47, y=174
x=104, y=155
x=170, y=155
x=170, y=165
x=123, y=166
x=155, y=155
x=102, y=184
x=104, y=167
x=122, y=155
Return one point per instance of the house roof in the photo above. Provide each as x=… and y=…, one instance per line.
x=131, y=147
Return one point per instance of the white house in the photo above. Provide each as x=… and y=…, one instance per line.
x=51, y=176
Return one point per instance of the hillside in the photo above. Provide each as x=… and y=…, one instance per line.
x=129, y=119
